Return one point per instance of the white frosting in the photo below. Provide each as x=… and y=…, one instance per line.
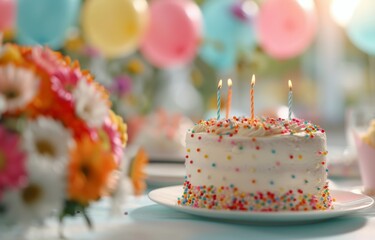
x=296, y=128
x=257, y=131
x=254, y=161
x=260, y=127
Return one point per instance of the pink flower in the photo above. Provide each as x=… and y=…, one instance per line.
x=1, y=192
x=64, y=81
x=46, y=59
x=121, y=85
x=12, y=160
x=114, y=139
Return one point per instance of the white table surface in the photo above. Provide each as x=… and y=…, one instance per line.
x=147, y=220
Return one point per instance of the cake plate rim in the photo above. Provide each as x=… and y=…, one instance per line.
x=347, y=202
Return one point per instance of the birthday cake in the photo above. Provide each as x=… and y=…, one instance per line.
x=264, y=164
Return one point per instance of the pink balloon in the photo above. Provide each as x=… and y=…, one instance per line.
x=284, y=28
x=173, y=34
x=7, y=14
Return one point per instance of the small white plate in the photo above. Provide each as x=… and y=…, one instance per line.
x=165, y=173
x=166, y=157
x=346, y=203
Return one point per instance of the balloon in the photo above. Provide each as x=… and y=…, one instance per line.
x=174, y=32
x=44, y=21
x=228, y=30
x=114, y=27
x=361, y=27
x=285, y=29
x=7, y=14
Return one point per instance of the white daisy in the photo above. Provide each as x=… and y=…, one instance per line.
x=18, y=86
x=48, y=142
x=43, y=194
x=89, y=104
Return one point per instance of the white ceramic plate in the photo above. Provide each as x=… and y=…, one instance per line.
x=346, y=203
x=165, y=173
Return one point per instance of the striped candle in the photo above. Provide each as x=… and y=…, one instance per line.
x=218, y=98
x=290, y=100
x=229, y=99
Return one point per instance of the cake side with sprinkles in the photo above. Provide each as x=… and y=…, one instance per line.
x=263, y=164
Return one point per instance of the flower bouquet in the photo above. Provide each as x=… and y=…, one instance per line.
x=59, y=141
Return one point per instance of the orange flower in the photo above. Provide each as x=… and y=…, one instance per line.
x=136, y=172
x=44, y=99
x=89, y=169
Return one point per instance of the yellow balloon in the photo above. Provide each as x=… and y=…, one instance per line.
x=114, y=27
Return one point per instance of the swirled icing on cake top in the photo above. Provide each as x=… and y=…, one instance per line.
x=258, y=127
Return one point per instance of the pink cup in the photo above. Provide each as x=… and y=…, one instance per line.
x=366, y=161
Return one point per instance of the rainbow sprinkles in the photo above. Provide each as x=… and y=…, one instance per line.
x=260, y=164
x=268, y=126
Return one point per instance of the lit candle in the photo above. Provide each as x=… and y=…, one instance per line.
x=290, y=100
x=218, y=99
x=252, y=97
x=229, y=100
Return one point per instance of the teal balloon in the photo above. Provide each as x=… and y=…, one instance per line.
x=225, y=34
x=45, y=22
x=361, y=27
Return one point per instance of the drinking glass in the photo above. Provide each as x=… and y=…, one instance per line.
x=358, y=123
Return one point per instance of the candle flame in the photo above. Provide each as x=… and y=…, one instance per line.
x=220, y=84
x=229, y=82
x=290, y=85
x=253, y=81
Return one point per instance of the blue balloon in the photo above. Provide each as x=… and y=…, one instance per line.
x=361, y=28
x=45, y=22
x=225, y=34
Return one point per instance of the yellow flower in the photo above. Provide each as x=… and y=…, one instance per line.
x=121, y=127
x=74, y=43
x=135, y=66
x=11, y=54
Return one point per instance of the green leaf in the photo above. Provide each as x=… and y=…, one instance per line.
x=72, y=208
